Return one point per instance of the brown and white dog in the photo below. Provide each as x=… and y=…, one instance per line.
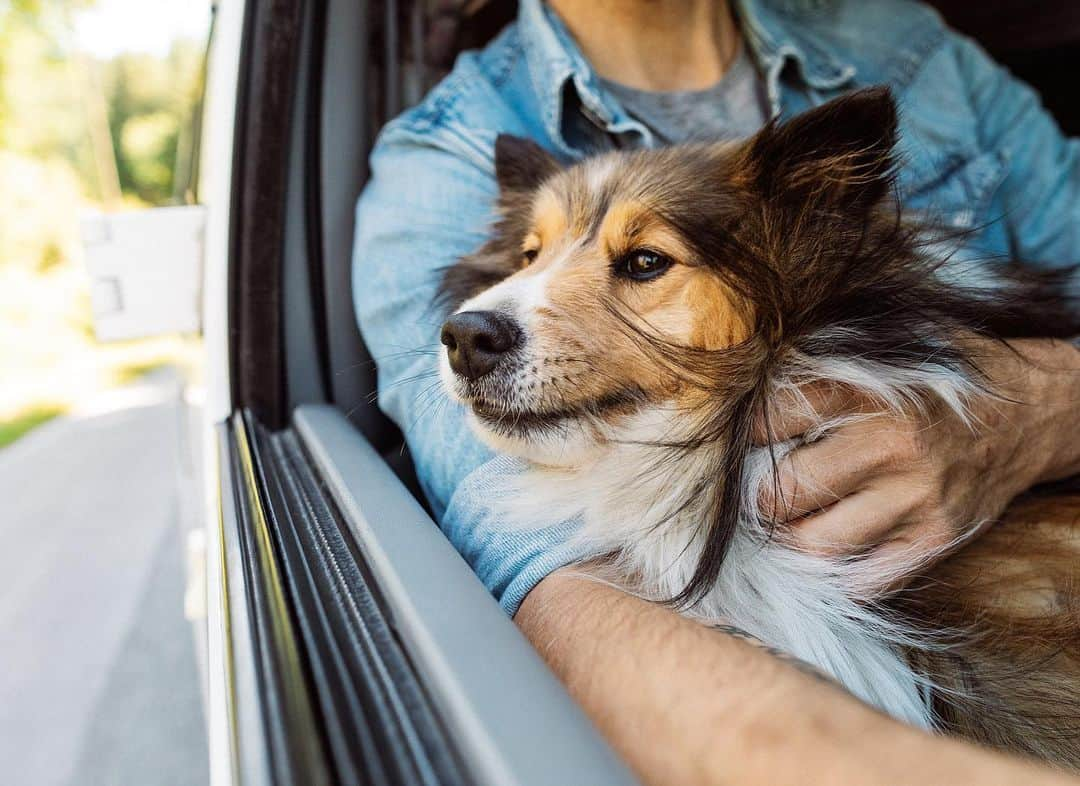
x=632, y=316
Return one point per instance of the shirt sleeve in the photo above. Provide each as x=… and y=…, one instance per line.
x=1041, y=192
x=428, y=202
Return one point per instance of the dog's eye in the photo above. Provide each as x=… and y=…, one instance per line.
x=528, y=256
x=643, y=264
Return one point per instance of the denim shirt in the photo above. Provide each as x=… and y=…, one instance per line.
x=977, y=149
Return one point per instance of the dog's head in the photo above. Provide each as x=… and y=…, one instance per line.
x=659, y=298
x=630, y=282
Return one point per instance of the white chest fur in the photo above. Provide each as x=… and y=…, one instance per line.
x=638, y=502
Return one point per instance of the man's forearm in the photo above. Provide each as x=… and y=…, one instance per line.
x=686, y=704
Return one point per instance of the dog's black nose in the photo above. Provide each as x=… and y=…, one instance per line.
x=475, y=340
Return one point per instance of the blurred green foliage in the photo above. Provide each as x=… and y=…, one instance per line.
x=50, y=94
x=150, y=104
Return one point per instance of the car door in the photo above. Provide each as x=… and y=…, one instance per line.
x=347, y=641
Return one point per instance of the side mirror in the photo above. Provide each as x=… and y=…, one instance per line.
x=145, y=270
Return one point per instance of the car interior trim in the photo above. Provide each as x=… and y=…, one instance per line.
x=508, y=711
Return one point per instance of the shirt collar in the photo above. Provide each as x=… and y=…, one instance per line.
x=556, y=63
x=774, y=36
x=769, y=31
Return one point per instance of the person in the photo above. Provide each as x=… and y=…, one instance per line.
x=684, y=704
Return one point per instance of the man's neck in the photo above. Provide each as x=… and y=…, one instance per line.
x=654, y=44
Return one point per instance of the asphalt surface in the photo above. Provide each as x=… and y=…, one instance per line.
x=99, y=681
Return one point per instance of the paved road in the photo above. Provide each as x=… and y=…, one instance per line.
x=98, y=676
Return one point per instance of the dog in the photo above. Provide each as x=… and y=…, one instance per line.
x=631, y=317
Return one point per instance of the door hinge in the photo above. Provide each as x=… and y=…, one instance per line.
x=145, y=270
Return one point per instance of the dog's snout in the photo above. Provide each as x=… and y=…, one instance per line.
x=476, y=340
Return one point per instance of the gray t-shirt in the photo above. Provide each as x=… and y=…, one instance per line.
x=733, y=108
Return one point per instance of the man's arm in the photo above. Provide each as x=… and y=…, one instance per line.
x=686, y=704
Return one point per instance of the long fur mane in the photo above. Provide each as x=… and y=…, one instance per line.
x=848, y=290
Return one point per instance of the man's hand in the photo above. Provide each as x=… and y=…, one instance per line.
x=916, y=484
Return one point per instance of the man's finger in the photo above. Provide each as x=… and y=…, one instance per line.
x=853, y=525
x=816, y=476
x=795, y=410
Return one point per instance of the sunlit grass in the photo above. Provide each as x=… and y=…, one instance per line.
x=12, y=429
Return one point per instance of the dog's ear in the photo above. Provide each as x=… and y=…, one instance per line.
x=838, y=155
x=521, y=164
